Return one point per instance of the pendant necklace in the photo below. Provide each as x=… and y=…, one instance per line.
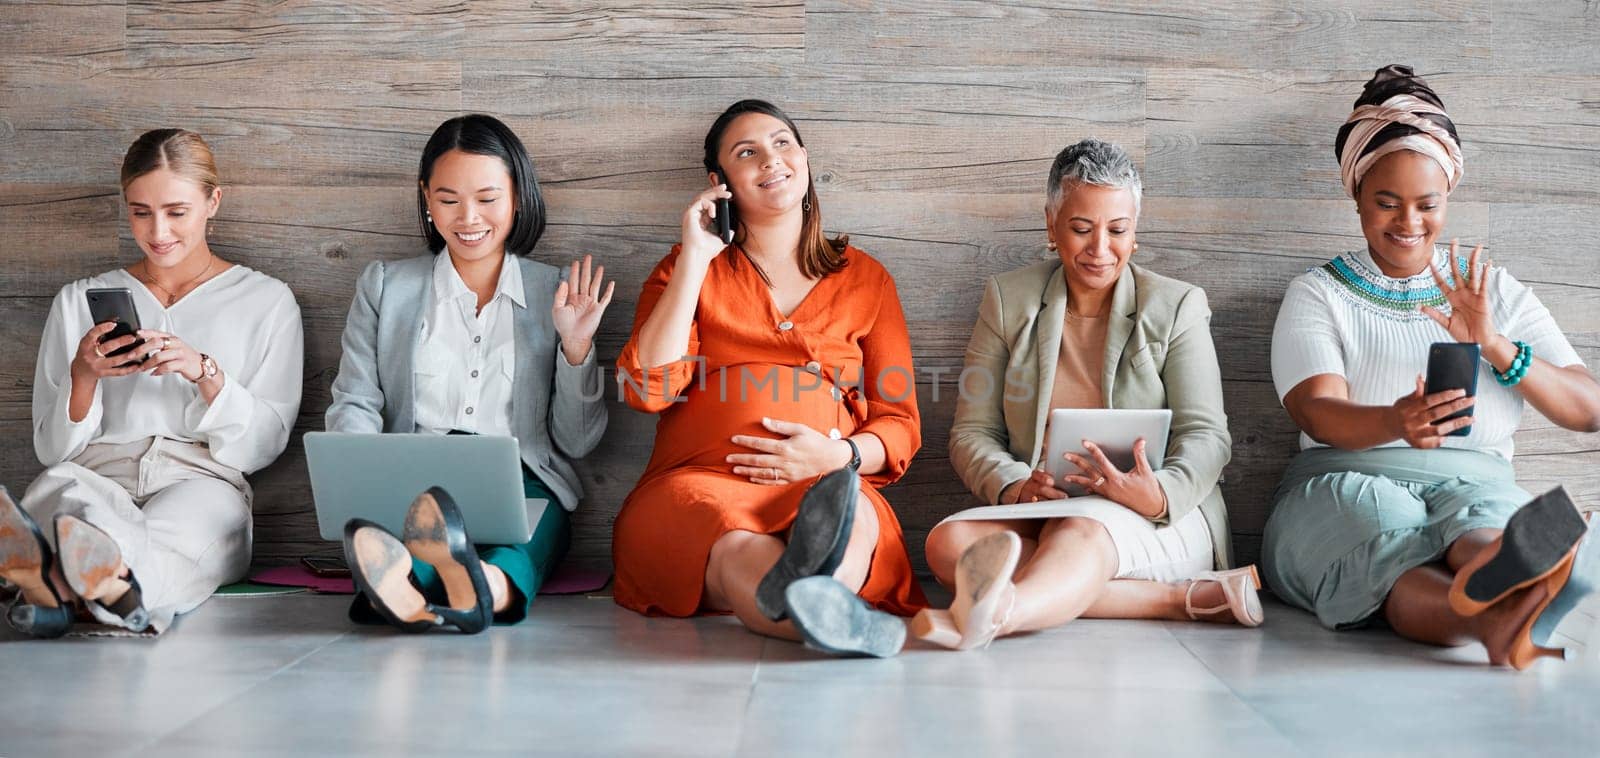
x=172, y=296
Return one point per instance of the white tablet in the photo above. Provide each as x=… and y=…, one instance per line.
x=1113, y=429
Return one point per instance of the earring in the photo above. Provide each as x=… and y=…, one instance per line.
x=210, y=229
x=1136, y=246
x=1050, y=244
x=806, y=206
x=429, y=214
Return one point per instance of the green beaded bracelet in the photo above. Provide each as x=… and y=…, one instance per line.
x=1517, y=369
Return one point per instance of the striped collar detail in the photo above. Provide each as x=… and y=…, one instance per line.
x=1356, y=277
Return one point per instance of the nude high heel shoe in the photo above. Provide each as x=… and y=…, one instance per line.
x=984, y=596
x=1539, y=539
x=25, y=562
x=1524, y=651
x=984, y=591
x=92, y=564
x=1241, y=587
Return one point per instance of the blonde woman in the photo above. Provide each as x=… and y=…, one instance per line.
x=143, y=509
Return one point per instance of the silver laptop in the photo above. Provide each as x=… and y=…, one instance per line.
x=1113, y=429
x=376, y=476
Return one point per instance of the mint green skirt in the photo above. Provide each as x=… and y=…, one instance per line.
x=1346, y=524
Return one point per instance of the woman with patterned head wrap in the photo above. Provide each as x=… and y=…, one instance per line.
x=1385, y=512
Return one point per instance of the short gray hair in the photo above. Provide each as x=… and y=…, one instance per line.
x=1092, y=161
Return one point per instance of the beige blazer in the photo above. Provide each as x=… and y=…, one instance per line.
x=1159, y=354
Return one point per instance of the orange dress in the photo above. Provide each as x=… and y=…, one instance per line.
x=841, y=360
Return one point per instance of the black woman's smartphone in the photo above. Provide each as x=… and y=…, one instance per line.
x=1454, y=366
x=115, y=304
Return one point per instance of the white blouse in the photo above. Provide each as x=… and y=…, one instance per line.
x=466, y=358
x=245, y=320
x=1346, y=317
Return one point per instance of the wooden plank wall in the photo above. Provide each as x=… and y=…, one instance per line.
x=931, y=126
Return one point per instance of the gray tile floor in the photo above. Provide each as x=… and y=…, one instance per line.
x=289, y=676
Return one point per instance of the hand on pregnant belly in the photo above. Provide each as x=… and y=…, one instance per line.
x=800, y=453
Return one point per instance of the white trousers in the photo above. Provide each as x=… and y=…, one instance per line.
x=181, y=518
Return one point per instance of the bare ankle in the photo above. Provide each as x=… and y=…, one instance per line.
x=499, y=586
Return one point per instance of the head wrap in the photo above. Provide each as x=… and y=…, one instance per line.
x=1396, y=111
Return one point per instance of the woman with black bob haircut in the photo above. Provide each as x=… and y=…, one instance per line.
x=470, y=339
x=478, y=134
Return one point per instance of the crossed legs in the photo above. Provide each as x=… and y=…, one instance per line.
x=739, y=559
x=1067, y=571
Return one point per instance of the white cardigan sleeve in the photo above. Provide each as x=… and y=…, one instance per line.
x=56, y=437
x=247, y=424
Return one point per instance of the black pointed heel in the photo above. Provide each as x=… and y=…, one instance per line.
x=817, y=541
x=436, y=533
x=26, y=561
x=90, y=559
x=381, y=568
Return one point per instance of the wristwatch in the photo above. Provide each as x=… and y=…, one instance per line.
x=208, y=368
x=855, y=455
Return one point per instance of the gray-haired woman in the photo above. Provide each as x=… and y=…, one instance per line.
x=1088, y=330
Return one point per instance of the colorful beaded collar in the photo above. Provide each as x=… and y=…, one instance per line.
x=1359, y=279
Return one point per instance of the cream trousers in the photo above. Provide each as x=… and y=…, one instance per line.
x=181, y=518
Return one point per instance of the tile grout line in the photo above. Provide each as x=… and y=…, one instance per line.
x=146, y=745
x=1271, y=724
x=750, y=699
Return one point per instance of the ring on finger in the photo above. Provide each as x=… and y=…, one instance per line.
x=165, y=342
x=97, y=352
x=1100, y=481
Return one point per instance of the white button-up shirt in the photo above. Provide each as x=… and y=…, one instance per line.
x=466, y=360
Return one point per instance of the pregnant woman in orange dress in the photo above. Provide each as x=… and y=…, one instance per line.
x=781, y=370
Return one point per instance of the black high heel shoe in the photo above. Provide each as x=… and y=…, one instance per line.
x=434, y=532
x=26, y=561
x=381, y=568
x=91, y=562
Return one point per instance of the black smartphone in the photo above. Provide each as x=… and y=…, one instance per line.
x=725, y=222
x=115, y=304
x=326, y=567
x=1453, y=366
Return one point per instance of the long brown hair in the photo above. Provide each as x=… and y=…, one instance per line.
x=819, y=255
x=178, y=150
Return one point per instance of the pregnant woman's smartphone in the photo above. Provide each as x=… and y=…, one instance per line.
x=1454, y=366
x=115, y=304
x=725, y=220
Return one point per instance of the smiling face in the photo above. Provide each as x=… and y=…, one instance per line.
x=167, y=214
x=766, y=167
x=1093, y=231
x=473, y=205
x=1402, y=202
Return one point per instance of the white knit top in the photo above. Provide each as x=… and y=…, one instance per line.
x=1346, y=317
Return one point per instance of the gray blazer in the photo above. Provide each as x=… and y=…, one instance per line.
x=1159, y=354
x=560, y=414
